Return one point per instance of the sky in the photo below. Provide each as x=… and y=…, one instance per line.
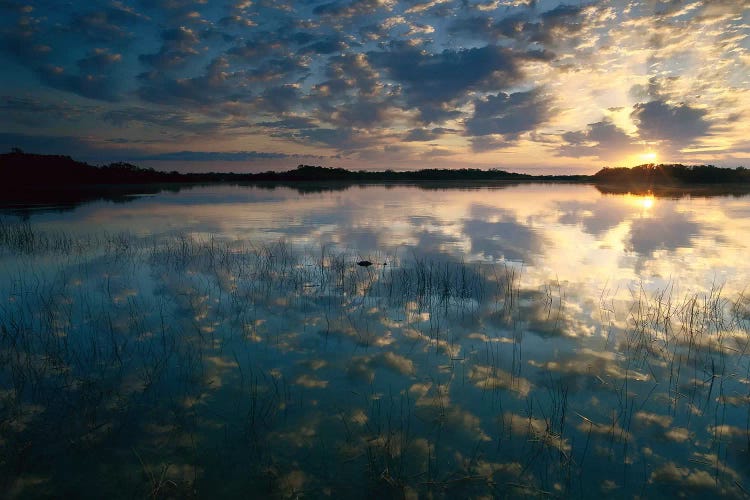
x=253, y=85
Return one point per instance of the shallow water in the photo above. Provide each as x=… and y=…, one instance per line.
x=507, y=341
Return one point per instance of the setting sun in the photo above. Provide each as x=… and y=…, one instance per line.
x=649, y=157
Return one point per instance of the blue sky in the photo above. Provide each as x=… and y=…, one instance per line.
x=253, y=85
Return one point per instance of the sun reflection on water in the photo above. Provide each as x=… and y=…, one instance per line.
x=647, y=202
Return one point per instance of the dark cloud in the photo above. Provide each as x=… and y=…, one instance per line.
x=167, y=118
x=351, y=71
x=602, y=139
x=93, y=86
x=237, y=20
x=551, y=27
x=25, y=43
x=98, y=60
x=509, y=114
x=107, y=25
x=216, y=85
x=556, y=23
x=420, y=135
x=288, y=68
x=489, y=143
x=29, y=112
x=436, y=152
x=214, y=156
x=255, y=48
x=657, y=88
x=279, y=99
x=76, y=147
x=179, y=45
x=362, y=113
x=13, y=6
x=293, y=122
x=429, y=81
x=342, y=139
x=327, y=45
x=344, y=9
x=680, y=125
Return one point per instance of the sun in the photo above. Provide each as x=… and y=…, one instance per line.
x=649, y=157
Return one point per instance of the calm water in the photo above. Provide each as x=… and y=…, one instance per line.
x=533, y=340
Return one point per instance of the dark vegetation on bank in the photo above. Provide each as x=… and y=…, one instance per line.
x=27, y=169
x=672, y=175
x=54, y=179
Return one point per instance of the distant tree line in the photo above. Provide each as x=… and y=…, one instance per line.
x=671, y=174
x=24, y=169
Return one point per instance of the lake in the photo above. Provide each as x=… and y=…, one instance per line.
x=506, y=340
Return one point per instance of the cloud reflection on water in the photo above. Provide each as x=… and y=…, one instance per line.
x=507, y=330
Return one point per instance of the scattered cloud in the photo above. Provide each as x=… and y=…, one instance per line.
x=523, y=79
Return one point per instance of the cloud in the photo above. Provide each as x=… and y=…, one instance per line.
x=279, y=99
x=107, y=25
x=23, y=42
x=177, y=48
x=255, y=48
x=509, y=114
x=359, y=75
x=29, y=112
x=287, y=68
x=430, y=81
x=341, y=139
x=79, y=148
x=343, y=9
x=351, y=71
x=290, y=122
x=98, y=60
x=489, y=143
x=327, y=45
x=679, y=125
x=420, y=135
x=362, y=113
x=166, y=118
x=603, y=139
x=214, y=156
x=550, y=28
x=215, y=85
x=93, y=86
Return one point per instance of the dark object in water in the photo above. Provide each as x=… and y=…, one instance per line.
x=364, y=263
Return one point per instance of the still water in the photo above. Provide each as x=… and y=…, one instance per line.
x=528, y=340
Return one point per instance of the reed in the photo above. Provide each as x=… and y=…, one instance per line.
x=429, y=376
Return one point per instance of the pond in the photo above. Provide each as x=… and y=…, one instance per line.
x=506, y=340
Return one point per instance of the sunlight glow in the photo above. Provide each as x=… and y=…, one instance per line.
x=649, y=157
x=643, y=202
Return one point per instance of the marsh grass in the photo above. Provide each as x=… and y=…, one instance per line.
x=179, y=366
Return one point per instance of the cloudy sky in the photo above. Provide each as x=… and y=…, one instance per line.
x=258, y=84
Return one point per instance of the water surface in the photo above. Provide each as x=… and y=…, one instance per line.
x=537, y=339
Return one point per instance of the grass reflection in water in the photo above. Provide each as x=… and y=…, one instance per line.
x=182, y=367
